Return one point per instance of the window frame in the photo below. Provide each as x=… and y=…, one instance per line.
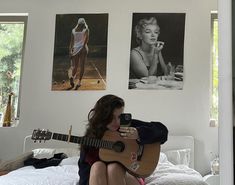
x=17, y=18
x=213, y=120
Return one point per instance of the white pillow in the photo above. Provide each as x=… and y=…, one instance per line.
x=181, y=156
x=40, y=153
x=70, y=161
x=70, y=152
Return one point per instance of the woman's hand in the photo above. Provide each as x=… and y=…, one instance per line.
x=129, y=132
x=159, y=46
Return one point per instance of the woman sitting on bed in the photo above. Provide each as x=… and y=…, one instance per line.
x=106, y=116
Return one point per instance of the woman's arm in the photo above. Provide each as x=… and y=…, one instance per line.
x=137, y=66
x=86, y=38
x=153, y=66
x=159, y=57
x=150, y=132
x=71, y=45
x=163, y=64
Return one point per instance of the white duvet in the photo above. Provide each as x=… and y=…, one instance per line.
x=167, y=173
x=67, y=174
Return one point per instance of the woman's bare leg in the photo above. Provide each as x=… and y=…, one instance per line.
x=82, y=60
x=82, y=65
x=116, y=174
x=75, y=65
x=72, y=72
x=111, y=174
x=131, y=180
x=98, y=175
x=70, y=75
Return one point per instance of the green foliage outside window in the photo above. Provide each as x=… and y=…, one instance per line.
x=214, y=104
x=11, y=44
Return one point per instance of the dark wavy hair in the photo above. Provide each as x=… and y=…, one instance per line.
x=102, y=114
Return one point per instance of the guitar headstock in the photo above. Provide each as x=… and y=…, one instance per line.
x=41, y=135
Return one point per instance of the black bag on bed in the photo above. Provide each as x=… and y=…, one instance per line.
x=42, y=163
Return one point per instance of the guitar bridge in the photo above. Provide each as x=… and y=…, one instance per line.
x=140, y=152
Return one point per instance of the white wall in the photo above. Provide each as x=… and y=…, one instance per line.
x=182, y=111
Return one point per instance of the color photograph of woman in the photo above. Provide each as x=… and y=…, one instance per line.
x=80, y=52
x=157, y=49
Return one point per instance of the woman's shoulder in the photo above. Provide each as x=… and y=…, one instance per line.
x=137, y=53
x=136, y=49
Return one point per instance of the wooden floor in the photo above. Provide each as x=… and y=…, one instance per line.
x=94, y=78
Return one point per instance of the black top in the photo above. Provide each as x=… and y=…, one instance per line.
x=149, y=132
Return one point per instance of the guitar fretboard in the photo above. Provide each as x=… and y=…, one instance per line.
x=88, y=141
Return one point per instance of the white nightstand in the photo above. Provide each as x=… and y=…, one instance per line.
x=211, y=179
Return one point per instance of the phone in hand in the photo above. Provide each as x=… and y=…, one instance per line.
x=125, y=119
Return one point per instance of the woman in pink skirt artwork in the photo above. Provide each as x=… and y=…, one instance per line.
x=78, y=51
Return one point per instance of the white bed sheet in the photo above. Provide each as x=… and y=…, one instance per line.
x=67, y=174
x=56, y=175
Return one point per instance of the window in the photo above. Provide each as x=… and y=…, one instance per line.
x=214, y=83
x=12, y=37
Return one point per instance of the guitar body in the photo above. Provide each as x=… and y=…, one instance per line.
x=138, y=161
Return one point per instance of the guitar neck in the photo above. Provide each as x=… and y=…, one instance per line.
x=87, y=141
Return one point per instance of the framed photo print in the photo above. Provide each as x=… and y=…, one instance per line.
x=157, y=51
x=80, y=52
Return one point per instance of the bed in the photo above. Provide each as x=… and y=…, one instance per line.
x=175, y=164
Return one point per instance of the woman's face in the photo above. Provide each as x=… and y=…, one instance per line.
x=115, y=123
x=150, y=34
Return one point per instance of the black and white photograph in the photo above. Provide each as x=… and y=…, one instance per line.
x=157, y=51
x=80, y=52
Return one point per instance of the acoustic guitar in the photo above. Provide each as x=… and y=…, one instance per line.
x=139, y=160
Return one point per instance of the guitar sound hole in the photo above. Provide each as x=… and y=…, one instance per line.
x=118, y=146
